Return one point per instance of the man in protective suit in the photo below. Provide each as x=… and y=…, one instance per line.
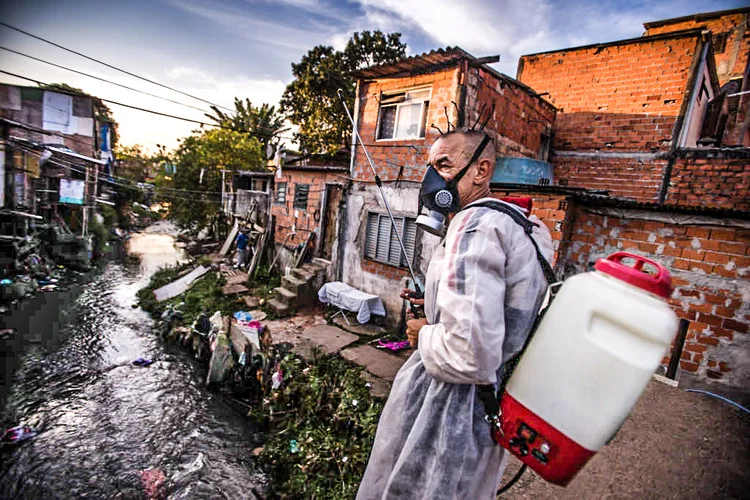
x=483, y=289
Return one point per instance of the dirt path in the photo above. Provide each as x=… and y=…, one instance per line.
x=675, y=444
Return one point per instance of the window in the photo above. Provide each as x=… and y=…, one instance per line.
x=381, y=242
x=280, y=192
x=259, y=185
x=403, y=115
x=719, y=42
x=300, y=196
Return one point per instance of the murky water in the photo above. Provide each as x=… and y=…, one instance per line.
x=104, y=421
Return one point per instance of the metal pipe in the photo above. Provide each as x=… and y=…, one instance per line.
x=379, y=183
x=674, y=361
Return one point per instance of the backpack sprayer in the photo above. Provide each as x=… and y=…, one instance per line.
x=418, y=293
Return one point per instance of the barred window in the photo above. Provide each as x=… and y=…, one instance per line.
x=280, y=193
x=300, y=196
x=382, y=243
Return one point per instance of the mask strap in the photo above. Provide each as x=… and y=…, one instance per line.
x=485, y=140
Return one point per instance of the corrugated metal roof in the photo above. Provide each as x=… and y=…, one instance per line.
x=617, y=202
x=422, y=63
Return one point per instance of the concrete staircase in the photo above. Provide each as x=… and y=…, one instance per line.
x=300, y=288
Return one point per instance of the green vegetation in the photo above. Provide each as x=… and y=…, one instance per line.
x=204, y=296
x=322, y=424
x=311, y=101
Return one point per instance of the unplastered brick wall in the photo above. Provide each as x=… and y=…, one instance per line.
x=710, y=264
x=731, y=36
x=516, y=117
x=617, y=97
x=391, y=155
x=552, y=209
x=712, y=178
x=308, y=219
x=628, y=176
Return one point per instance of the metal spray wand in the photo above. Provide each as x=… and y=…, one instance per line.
x=379, y=183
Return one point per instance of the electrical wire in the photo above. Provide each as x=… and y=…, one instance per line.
x=101, y=79
x=111, y=66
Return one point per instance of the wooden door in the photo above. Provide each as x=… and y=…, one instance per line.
x=330, y=220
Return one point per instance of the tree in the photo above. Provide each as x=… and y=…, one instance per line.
x=196, y=197
x=264, y=122
x=311, y=101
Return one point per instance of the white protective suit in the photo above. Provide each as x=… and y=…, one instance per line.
x=484, y=288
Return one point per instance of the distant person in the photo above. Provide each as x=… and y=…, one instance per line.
x=242, y=241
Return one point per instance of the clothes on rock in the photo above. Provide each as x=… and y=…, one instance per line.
x=483, y=291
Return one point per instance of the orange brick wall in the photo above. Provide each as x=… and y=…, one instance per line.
x=709, y=266
x=637, y=178
x=615, y=98
x=720, y=180
x=519, y=118
x=730, y=63
x=390, y=155
x=306, y=220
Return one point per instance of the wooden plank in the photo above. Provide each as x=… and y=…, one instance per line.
x=230, y=238
x=179, y=286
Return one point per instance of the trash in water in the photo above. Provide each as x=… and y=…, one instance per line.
x=18, y=434
x=293, y=446
x=143, y=362
x=154, y=484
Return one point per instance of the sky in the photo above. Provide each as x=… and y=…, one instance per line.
x=219, y=49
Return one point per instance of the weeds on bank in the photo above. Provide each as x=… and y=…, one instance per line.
x=322, y=424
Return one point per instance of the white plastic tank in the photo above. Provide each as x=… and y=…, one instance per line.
x=596, y=348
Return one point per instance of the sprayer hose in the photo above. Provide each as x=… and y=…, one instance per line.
x=512, y=481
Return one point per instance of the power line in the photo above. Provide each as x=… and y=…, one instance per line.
x=100, y=79
x=113, y=67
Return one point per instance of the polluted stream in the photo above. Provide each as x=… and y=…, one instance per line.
x=108, y=428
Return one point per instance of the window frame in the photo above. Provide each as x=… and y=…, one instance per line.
x=404, y=260
x=424, y=108
x=307, y=196
x=281, y=191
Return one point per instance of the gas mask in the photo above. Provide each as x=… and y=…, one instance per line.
x=440, y=197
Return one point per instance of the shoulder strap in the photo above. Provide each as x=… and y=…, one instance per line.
x=528, y=228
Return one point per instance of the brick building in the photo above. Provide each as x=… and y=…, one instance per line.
x=400, y=109
x=654, y=122
x=306, y=200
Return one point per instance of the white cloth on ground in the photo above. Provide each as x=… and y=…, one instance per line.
x=346, y=297
x=484, y=287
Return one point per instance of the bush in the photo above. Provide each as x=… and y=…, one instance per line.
x=322, y=424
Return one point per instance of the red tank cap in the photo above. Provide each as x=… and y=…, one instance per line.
x=658, y=282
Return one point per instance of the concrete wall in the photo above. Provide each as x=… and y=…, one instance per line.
x=709, y=259
x=244, y=199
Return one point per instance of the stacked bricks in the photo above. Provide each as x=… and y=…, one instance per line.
x=386, y=271
x=391, y=155
x=731, y=61
x=638, y=179
x=552, y=209
x=719, y=179
x=306, y=220
x=709, y=266
x=620, y=97
x=516, y=117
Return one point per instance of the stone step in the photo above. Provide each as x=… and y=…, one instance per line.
x=285, y=296
x=294, y=284
x=321, y=262
x=281, y=310
x=303, y=274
